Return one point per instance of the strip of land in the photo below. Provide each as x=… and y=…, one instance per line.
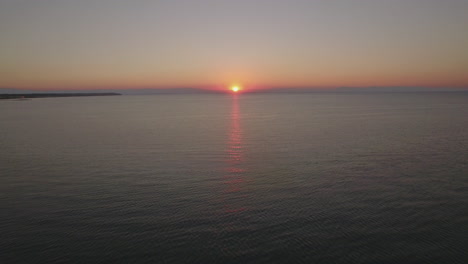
x=44, y=95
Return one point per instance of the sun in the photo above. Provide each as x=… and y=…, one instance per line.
x=235, y=88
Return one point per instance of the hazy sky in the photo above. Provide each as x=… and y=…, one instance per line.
x=212, y=43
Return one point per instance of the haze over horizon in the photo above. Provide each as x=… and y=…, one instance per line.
x=211, y=44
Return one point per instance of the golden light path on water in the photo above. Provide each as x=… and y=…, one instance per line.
x=233, y=178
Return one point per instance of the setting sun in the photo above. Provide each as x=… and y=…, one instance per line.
x=235, y=88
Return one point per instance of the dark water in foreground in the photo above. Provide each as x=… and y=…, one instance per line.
x=310, y=178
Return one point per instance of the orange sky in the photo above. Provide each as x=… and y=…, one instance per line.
x=256, y=43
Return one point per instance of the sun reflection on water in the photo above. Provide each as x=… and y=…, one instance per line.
x=233, y=178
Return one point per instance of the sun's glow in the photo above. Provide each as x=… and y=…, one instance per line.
x=235, y=88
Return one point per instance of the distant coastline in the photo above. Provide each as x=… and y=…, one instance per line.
x=45, y=95
x=13, y=93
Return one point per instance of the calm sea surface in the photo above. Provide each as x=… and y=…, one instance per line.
x=303, y=178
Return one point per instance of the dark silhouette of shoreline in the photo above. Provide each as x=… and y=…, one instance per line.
x=44, y=95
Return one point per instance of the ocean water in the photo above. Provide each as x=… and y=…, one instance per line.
x=265, y=178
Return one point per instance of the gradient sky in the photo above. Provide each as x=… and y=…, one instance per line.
x=70, y=44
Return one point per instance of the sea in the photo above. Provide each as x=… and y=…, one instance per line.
x=246, y=178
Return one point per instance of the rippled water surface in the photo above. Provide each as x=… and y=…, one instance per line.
x=305, y=178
